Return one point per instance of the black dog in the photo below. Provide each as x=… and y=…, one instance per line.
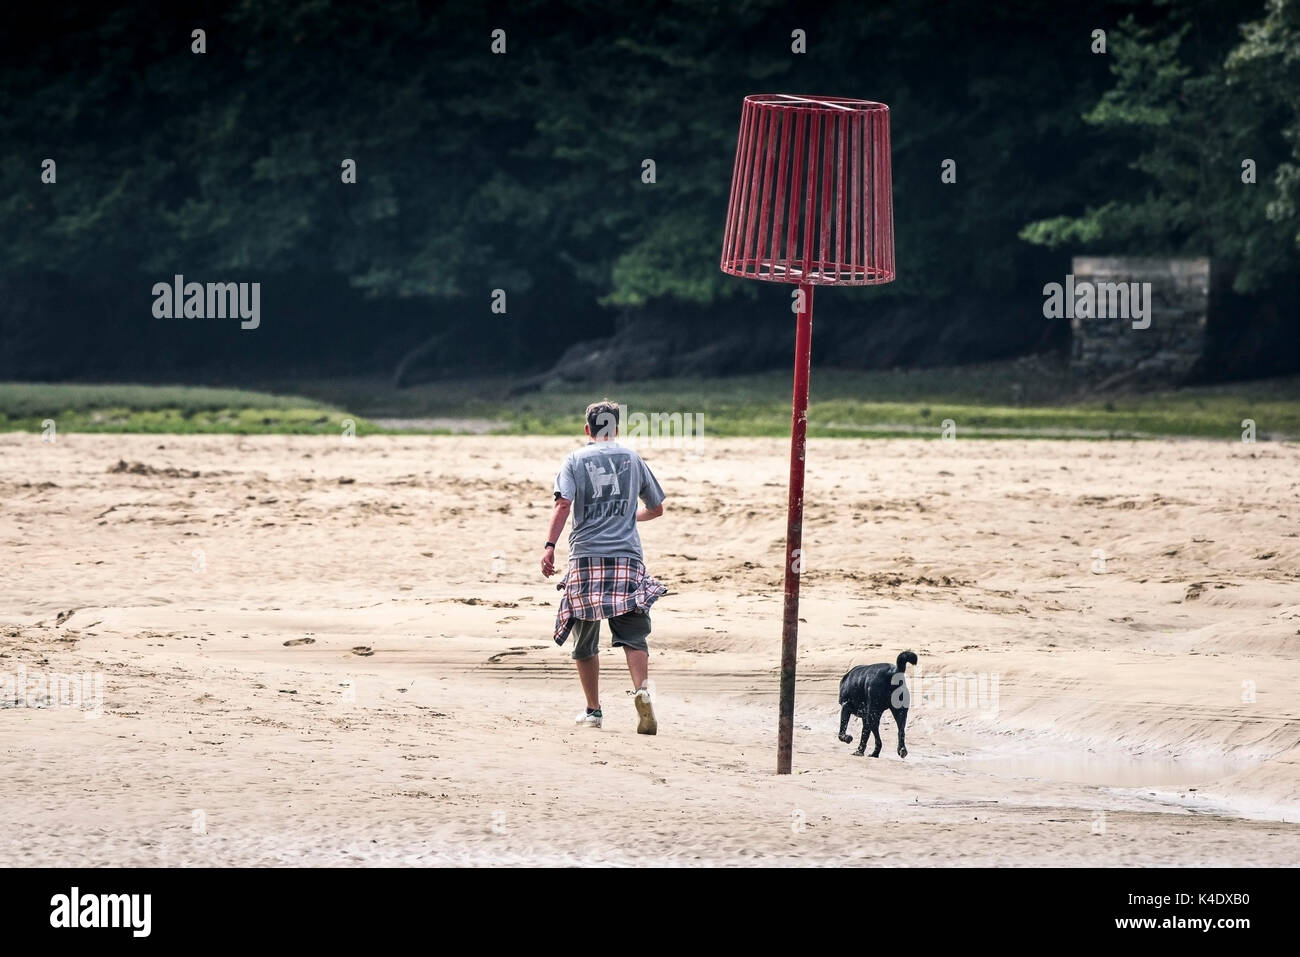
x=867, y=691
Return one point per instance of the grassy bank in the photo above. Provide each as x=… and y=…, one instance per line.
x=165, y=409
x=1018, y=398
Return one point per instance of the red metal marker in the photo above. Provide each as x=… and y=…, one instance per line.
x=811, y=204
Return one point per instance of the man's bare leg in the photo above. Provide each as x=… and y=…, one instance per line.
x=638, y=665
x=589, y=675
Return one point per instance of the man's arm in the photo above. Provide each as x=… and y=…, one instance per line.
x=559, y=515
x=652, y=494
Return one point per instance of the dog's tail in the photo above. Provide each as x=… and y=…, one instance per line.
x=906, y=658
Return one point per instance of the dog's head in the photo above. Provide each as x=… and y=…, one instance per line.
x=905, y=659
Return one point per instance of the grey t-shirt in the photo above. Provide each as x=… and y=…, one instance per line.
x=603, y=480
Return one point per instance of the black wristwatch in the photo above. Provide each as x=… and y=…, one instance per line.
x=549, y=545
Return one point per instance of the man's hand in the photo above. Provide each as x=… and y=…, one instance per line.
x=548, y=561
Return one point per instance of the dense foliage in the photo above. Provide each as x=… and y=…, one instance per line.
x=522, y=171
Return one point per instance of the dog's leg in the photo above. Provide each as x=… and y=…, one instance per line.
x=846, y=712
x=900, y=719
x=862, y=742
x=874, y=718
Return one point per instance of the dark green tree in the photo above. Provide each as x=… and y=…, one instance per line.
x=1190, y=124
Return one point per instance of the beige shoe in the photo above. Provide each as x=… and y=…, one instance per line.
x=645, y=711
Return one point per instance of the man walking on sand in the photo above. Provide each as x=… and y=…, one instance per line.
x=599, y=485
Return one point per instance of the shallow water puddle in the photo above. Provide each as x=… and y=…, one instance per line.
x=1103, y=770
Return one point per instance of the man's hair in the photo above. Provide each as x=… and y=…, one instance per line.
x=602, y=418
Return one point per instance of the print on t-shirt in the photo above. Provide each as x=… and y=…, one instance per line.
x=603, y=480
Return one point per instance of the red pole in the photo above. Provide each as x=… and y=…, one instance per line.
x=794, y=529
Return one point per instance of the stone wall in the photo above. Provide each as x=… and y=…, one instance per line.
x=1171, y=346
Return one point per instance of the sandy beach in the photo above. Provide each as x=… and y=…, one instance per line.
x=313, y=652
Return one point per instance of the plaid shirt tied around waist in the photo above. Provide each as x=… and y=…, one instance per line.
x=597, y=588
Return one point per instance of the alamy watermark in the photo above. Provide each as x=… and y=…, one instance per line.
x=949, y=691
x=80, y=691
x=79, y=909
x=654, y=430
x=660, y=430
x=1098, y=300
x=179, y=299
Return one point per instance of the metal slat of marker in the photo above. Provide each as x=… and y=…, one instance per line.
x=811, y=204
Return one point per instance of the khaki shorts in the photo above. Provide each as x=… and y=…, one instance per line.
x=630, y=631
